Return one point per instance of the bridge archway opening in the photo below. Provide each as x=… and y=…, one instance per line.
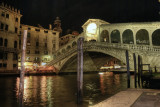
x=115, y=36
x=156, y=37
x=74, y=44
x=104, y=37
x=68, y=47
x=142, y=37
x=128, y=37
x=93, y=61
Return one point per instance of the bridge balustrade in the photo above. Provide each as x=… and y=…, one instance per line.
x=100, y=45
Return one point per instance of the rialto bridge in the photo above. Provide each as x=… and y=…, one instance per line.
x=114, y=39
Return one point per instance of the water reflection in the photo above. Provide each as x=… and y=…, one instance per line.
x=60, y=91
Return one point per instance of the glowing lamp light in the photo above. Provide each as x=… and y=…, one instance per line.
x=91, y=28
x=100, y=73
x=43, y=63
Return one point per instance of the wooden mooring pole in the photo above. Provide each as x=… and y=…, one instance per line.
x=155, y=68
x=128, y=70
x=135, y=70
x=22, y=73
x=80, y=71
x=139, y=69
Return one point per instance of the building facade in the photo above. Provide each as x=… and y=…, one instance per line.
x=41, y=42
x=9, y=41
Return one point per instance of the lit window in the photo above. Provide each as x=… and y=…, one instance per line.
x=28, y=58
x=91, y=28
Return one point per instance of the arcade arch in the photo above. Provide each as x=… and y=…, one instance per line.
x=115, y=36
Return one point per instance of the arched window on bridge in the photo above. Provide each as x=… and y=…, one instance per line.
x=128, y=37
x=115, y=36
x=1, y=41
x=63, y=50
x=142, y=37
x=68, y=47
x=156, y=37
x=74, y=44
x=104, y=37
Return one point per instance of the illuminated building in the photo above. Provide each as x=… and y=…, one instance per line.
x=9, y=41
x=41, y=42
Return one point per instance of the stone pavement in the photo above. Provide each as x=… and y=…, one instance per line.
x=133, y=98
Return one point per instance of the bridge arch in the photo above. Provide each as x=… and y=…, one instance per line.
x=142, y=37
x=127, y=36
x=104, y=36
x=115, y=36
x=119, y=54
x=156, y=37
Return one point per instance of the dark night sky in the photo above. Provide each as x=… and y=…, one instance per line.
x=74, y=13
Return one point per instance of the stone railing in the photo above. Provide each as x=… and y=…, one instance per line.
x=68, y=44
x=99, y=45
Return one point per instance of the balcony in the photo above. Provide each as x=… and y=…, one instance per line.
x=10, y=50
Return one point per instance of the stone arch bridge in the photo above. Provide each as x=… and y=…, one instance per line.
x=149, y=54
x=114, y=39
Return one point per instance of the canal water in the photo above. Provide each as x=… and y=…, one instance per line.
x=60, y=91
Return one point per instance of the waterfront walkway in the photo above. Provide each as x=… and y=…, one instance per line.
x=133, y=98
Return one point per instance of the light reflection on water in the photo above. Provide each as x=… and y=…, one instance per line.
x=60, y=91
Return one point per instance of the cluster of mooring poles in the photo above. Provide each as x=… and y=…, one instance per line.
x=135, y=70
x=80, y=70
